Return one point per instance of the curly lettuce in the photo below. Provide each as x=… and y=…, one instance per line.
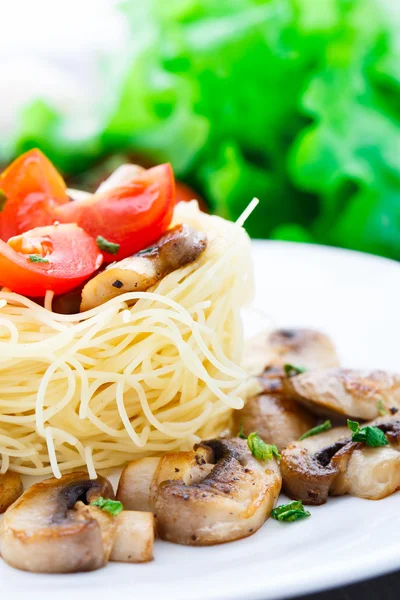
x=293, y=101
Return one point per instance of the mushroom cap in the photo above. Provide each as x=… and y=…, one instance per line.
x=330, y=463
x=306, y=348
x=347, y=392
x=41, y=531
x=231, y=502
x=310, y=466
x=277, y=419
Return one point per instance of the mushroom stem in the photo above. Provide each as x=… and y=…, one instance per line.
x=134, y=537
x=217, y=493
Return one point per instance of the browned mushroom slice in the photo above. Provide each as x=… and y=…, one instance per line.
x=10, y=489
x=176, y=248
x=307, y=348
x=41, y=531
x=276, y=419
x=302, y=347
x=347, y=392
x=216, y=494
x=330, y=463
x=139, y=481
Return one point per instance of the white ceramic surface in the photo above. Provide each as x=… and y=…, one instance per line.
x=356, y=299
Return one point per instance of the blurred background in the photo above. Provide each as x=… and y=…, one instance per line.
x=296, y=102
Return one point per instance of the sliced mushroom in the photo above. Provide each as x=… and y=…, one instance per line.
x=307, y=348
x=276, y=419
x=273, y=414
x=347, y=392
x=10, y=489
x=302, y=347
x=218, y=493
x=43, y=533
x=330, y=463
x=53, y=528
x=178, y=247
x=139, y=481
x=134, y=537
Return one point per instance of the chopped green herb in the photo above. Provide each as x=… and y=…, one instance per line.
x=353, y=425
x=370, y=435
x=292, y=370
x=316, y=430
x=381, y=409
x=36, y=258
x=114, y=507
x=260, y=449
x=107, y=246
x=290, y=512
x=145, y=251
x=241, y=433
x=3, y=200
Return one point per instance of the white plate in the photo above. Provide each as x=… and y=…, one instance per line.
x=355, y=298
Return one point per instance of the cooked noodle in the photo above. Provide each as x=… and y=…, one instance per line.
x=126, y=380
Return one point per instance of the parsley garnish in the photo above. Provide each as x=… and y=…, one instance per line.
x=260, y=449
x=114, y=507
x=145, y=251
x=241, y=433
x=381, y=409
x=290, y=512
x=370, y=435
x=3, y=200
x=316, y=430
x=292, y=370
x=36, y=258
x=107, y=246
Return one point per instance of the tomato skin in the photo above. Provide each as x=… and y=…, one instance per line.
x=33, y=187
x=133, y=216
x=71, y=255
x=185, y=193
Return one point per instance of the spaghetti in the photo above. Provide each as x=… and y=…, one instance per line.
x=142, y=374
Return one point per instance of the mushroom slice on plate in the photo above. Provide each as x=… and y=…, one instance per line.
x=10, y=489
x=41, y=531
x=176, y=248
x=134, y=537
x=306, y=348
x=218, y=493
x=360, y=394
x=330, y=463
x=273, y=414
x=277, y=419
x=139, y=480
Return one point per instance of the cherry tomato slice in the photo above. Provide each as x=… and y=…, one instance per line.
x=57, y=258
x=131, y=216
x=184, y=193
x=32, y=187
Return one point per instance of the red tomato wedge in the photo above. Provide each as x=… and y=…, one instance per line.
x=130, y=216
x=57, y=258
x=184, y=193
x=32, y=187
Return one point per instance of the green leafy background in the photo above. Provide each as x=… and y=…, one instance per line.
x=296, y=102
